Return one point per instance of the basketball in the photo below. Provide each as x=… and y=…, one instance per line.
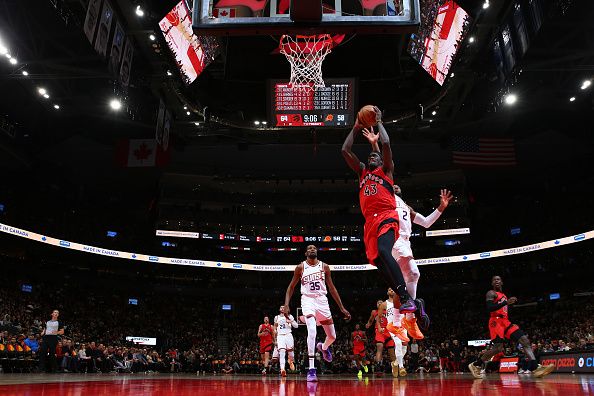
x=367, y=116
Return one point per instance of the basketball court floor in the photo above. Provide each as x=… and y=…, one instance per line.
x=239, y=385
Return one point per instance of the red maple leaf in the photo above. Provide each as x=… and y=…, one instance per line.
x=142, y=152
x=224, y=13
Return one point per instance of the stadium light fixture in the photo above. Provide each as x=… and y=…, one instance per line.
x=572, y=99
x=152, y=37
x=169, y=73
x=586, y=84
x=139, y=11
x=510, y=99
x=25, y=73
x=256, y=122
x=115, y=104
x=471, y=39
x=434, y=112
x=42, y=91
x=13, y=61
x=46, y=96
x=188, y=113
x=57, y=107
x=486, y=5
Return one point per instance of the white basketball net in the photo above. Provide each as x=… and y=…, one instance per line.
x=306, y=54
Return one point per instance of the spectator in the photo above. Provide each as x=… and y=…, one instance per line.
x=32, y=343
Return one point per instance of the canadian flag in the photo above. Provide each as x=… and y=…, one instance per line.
x=223, y=13
x=136, y=153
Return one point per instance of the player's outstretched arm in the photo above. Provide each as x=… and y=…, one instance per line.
x=334, y=292
x=347, y=151
x=291, y=288
x=385, y=141
x=444, y=200
x=370, y=321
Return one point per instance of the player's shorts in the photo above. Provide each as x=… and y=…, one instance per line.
x=384, y=338
x=267, y=347
x=502, y=329
x=275, y=353
x=376, y=226
x=285, y=341
x=359, y=350
x=316, y=306
x=402, y=249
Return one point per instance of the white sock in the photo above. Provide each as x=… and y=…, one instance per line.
x=330, y=336
x=311, y=340
x=398, y=351
x=281, y=358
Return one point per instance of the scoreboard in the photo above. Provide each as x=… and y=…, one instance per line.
x=329, y=106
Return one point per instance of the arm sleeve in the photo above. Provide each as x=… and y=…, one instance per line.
x=293, y=322
x=427, y=221
x=492, y=306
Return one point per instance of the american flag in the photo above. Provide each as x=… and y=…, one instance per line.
x=478, y=151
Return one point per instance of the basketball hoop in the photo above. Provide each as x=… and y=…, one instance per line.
x=306, y=54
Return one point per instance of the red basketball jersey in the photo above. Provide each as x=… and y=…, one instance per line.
x=358, y=338
x=376, y=193
x=267, y=337
x=501, y=312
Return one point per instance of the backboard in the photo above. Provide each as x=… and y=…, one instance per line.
x=262, y=17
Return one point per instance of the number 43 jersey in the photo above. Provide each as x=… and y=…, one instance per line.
x=313, y=280
x=376, y=193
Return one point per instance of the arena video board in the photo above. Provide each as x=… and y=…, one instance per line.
x=241, y=17
x=189, y=55
x=329, y=106
x=436, y=52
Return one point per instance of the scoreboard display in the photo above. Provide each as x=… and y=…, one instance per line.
x=329, y=106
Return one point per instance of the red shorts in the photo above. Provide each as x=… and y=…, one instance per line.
x=375, y=227
x=502, y=329
x=266, y=347
x=384, y=338
x=359, y=350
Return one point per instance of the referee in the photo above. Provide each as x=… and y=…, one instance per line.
x=53, y=328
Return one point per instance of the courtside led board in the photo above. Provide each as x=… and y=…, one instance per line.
x=243, y=17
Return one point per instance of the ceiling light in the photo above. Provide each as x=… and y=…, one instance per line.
x=169, y=73
x=185, y=107
x=57, y=107
x=152, y=37
x=572, y=99
x=586, y=84
x=471, y=39
x=13, y=61
x=264, y=123
x=485, y=5
x=25, y=73
x=115, y=104
x=257, y=122
x=42, y=91
x=139, y=11
x=197, y=123
x=452, y=75
x=433, y=112
x=8, y=56
x=3, y=50
x=430, y=120
x=188, y=113
x=510, y=99
x=46, y=96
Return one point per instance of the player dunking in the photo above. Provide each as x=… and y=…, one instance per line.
x=314, y=275
x=284, y=338
x=266, y=334
x=402, y=252
x=376, y=196
x=502, y=329
x=359, y=338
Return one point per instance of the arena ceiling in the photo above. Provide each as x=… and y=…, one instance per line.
x=47, y=38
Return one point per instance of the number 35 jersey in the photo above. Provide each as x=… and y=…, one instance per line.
x=313, y=280
x=376, y=193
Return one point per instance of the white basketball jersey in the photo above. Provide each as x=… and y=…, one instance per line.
x=404, y=223
x=283, y=326
x=390, y=311
x=313, y=280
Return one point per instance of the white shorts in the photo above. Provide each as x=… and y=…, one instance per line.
x=285, y=341
x=275, y=352
x=402, y=248
x=316, y=306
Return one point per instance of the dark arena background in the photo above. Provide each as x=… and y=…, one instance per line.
x=166, y=164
